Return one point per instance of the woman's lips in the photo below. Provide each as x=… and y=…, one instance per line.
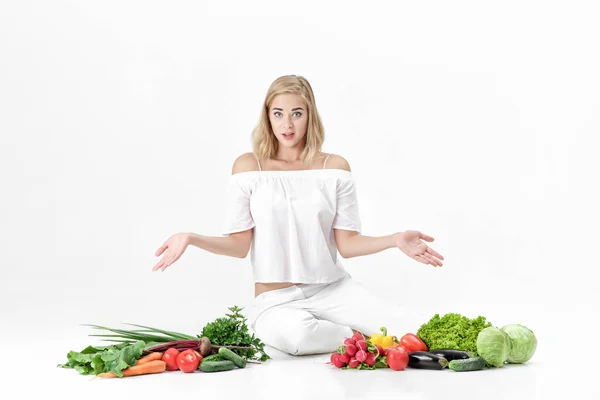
x=288, y=136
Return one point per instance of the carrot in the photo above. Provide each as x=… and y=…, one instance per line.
x=150, y=357
x=151, y=367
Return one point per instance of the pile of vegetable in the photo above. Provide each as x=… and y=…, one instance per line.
x=223, y=345
x=357, y=352
x=379, y=351
x=452, y=341
x=512, y=343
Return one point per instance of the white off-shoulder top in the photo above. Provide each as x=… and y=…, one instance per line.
x=293, y=214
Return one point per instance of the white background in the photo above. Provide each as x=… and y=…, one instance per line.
x=474, y=122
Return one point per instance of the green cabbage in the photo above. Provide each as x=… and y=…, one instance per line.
x=523, y=343
x=493, y=345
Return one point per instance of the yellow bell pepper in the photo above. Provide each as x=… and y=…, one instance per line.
x=383, y=339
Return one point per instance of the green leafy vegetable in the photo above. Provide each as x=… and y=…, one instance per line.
x=493, y=345
x=233, y=331
x=96, y=360
x=452, y=331
x=523, y=343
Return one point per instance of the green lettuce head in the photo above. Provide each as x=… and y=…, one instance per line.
x=523, y=343
x=493, y=345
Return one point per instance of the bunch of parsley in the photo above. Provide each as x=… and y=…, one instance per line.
x=232, y=330
x=452, y=331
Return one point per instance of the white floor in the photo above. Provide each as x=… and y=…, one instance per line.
x=561, y=367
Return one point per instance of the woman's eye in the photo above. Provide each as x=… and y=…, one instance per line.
x=277, y=112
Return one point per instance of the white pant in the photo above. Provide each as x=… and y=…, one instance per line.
x=316, y=318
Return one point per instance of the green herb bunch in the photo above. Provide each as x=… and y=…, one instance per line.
x=233, y=331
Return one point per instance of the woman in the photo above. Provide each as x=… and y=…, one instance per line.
x=296, y=208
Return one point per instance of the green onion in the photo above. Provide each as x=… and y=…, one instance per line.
x=181, y=336
x=158, y=336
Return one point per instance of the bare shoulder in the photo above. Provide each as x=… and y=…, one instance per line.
x=244, y=163
x=335, y=161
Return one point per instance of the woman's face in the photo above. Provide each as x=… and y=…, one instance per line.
x=289, y=119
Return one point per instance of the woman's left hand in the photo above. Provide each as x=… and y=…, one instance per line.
x=411, y=244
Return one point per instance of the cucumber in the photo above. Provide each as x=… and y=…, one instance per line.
x=231, y=356
x=216, y=366
x=214, y=357
x=467, y=364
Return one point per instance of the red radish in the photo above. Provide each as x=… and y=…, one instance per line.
x=349, y=341
x=344, y=358
x=361, y=355
x=370, y=360
x=337, y=361
x=362, y=345
x=332, y=356
x=353, y=363
x=379, y=350
x=358, y=336
x=351, y=349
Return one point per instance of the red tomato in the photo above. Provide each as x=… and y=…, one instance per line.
x=188, y=361
x=397, y=359
x=385, y=351
x=170, y=357
x=412, y=342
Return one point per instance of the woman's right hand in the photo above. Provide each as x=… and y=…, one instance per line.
x=174, y=246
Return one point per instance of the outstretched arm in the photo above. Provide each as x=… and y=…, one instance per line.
x=352, y=244
x=234, y=245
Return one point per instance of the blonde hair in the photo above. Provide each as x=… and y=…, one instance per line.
x=264, y=142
